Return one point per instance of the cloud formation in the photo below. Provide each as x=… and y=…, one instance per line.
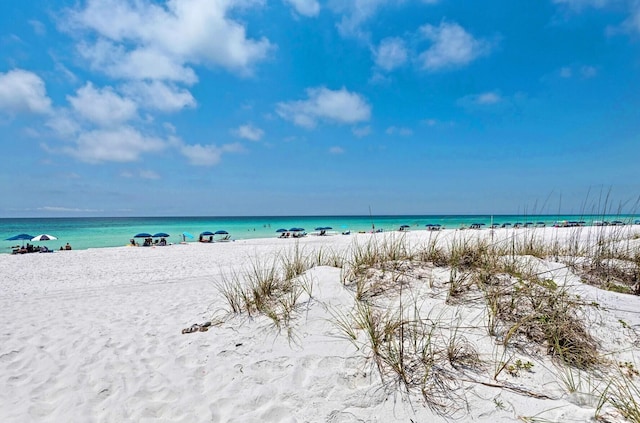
x=22, y=91
x=451, y=46
x=102, y=107
x=121, y=144
x=390, y=54
x=146, y=40
x=307, y=8
x=208, y=155
x=339, y=106
x=248, y=132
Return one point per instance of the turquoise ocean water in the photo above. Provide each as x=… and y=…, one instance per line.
x=98, y=232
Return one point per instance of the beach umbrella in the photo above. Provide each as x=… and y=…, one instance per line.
x=160, y=235
x=221, y=232
x=404, y=226
x=207, y=233
x=328, y=228
x=282, y=230
x=142, y=235
x=20, y=237
x=186, y=235
x=319, y=228
x=43, y=237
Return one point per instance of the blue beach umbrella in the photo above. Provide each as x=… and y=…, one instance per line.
x=320, y=228
x=207, y=233
x=282, y=230
x=161, y=235
x=20, y=237
x=142, y=235
x=186, y=235
x=221, y=232
x=327, y=228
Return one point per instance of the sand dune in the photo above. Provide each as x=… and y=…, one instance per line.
x=96, y=335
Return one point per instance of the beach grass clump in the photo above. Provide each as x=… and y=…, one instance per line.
x=267, y=289
x=295, y=262
x=414, y=354
x=623, y=394
x=323, y=257
x=377, y=266
x=539, y=311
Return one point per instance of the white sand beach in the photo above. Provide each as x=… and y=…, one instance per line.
x=96, y=336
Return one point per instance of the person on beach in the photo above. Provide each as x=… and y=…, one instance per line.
x=67, y=247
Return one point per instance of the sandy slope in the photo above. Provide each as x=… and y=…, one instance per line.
x=95, y=336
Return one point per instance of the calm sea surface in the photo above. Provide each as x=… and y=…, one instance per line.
x=97, y=232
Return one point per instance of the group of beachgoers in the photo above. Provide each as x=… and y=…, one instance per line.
x=29, y=248
x=148, y=242
x=293, y=234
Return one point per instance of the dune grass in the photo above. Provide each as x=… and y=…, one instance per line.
x=525, y=310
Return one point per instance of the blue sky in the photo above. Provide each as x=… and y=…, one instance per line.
x=313, y=107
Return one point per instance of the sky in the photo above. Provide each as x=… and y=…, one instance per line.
x=318, y=107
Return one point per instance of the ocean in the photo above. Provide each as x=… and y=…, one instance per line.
x=100, y=232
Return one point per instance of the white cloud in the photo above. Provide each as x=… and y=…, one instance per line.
x=356, y=12
x=248, y=132
x=566, y=72
x=588, y=72
x=123, y=144
x=394, y=130
x=158, y=95
x=102, y=107
x=23, y=92
x=488, y=98
x=585, y=72
x=391, y=54
x=68, y=209
x=148, y=40
x=451, y=46
x=336, y=150
x=208, y=155
x=149, y=174
x=142, y=174
x=340, y=106
x=146, y=63
x=38, y=27
x=361, y=131
x=308, y=8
